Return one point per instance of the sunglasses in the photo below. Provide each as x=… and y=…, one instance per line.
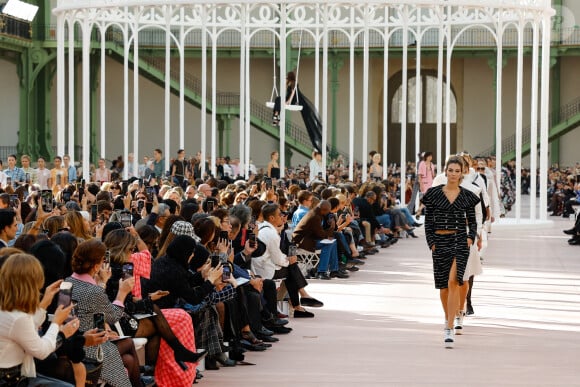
x=481, y=169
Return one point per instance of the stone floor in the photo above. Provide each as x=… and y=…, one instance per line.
x=384, y=325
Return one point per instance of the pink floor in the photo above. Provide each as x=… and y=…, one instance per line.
x=384, y=325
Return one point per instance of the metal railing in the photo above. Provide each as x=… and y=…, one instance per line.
x=557, y=116
x=15, y=27
x=472, y=37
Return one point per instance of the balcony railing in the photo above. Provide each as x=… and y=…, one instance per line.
x=473, y=37
x=14, y=27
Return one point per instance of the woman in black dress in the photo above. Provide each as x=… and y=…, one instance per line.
x=450, y=228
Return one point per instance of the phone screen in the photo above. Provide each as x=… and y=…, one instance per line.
x=65, y=294
x=150, y=193
x=140, y=204
x=8, y=181
x=126, y=220
x=252, y=240
x=13, y=201
x=94, y=213
x=99, y=321
x=291, y=250
x=210, y=206
x=47, y=198
x=224, y=235
x=127, y=270
x=227, y=272
x=215, y=260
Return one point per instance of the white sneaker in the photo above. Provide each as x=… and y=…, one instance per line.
x=458, y=324
x=448, y=341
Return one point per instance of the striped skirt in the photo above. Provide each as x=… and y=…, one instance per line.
x=447, y=248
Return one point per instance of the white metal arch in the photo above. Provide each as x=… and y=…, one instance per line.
x=385, y=19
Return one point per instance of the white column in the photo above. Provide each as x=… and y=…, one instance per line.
x=519, y=114
x=440, y=158
x=126, y=90
x=204, y=96
x=448, y=86
x=283, y=70
x=534, y=122
x=247, y=106
x=386, y=111
x=60, y=92
x=317, y=65
x=167, y=94
x=71, y=88
x=282, y=128
x=403, y=111
x=136, y=102
x=182, y=85
x=351, y=108
x=365, y=112
x=242, y=147
x=103, y=103
x=544, y=110
x=418, y=93
x=86, y=87
x=498, y=104
x=213, y=92
x=324, y=116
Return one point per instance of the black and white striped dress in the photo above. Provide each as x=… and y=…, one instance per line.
x=440, y=214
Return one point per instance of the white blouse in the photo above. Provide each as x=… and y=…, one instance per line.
x=20, y=342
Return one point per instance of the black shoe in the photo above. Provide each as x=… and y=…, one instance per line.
x=469, y=310
x=415, y=224
x=355, y=261
x=565, y=215
x=412, y=234
x=339, y=274
x=572, y=231
x=272, y=322
x=574, y=241
x=211, y=364
x=353, y=268
x=223, y=360
x=323, y=276
x=281, y=330
x=312, y=302
x=265, y=332
x=267, y=339
x=303, y=314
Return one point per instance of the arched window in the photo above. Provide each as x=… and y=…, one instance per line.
x=428, y=110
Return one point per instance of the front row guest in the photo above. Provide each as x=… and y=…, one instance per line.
x=274, y=264
x=309, y=235
x=448, y=209
x=21, y=313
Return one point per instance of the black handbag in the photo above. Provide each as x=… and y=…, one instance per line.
x=11, y=377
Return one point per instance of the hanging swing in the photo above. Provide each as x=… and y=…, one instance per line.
x=270, y=104
x=296, y=107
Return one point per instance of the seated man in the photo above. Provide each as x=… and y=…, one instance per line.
x=308, y=235
x=274, y=264
x=305, y=200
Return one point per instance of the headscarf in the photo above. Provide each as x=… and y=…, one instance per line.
x=180, y=249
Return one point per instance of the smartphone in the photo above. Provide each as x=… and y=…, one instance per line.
x=8, y=180
x=127, y=270
x=65, y=294
x=292, y=250
x=227, y=273
x=150, y=191
x=210, y=206
x=99, y=321
x=93, y=213
x=252, y=223
x=224, y=235
x=46, y=200
x=252, y=240
x=124, y=186
x=215, y=260
x=58, y=179
x=356, y=212
x=14, y=201
x=83, y=183
x=319, y=175
x=27, y=178
x=140, y=183
x=140, y=205
x=81, y=193
x=74, y=312
x=126, y=219
x=281, y=184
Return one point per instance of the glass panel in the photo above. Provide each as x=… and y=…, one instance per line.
x=431, y=108
x=396, y=106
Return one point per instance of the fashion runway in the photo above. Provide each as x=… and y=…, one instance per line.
x=384, y=325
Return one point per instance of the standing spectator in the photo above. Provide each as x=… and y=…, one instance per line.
x=13, y=172
x=179, y=169
x=130, y=166
x=102, y=174
x=144, y=170
x=158, y=163
x=70, y=169
x=43, y=175
x=315, y=165
x=425, y=175
x=2, y=176
x=273, y=167
x=29, y=172
x=58, y=175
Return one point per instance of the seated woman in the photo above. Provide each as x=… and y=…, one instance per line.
x=88, y=263
x=121, y=244
x=190, y=290
x=21, y=278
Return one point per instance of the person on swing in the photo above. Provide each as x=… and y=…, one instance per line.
x=290, y=97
